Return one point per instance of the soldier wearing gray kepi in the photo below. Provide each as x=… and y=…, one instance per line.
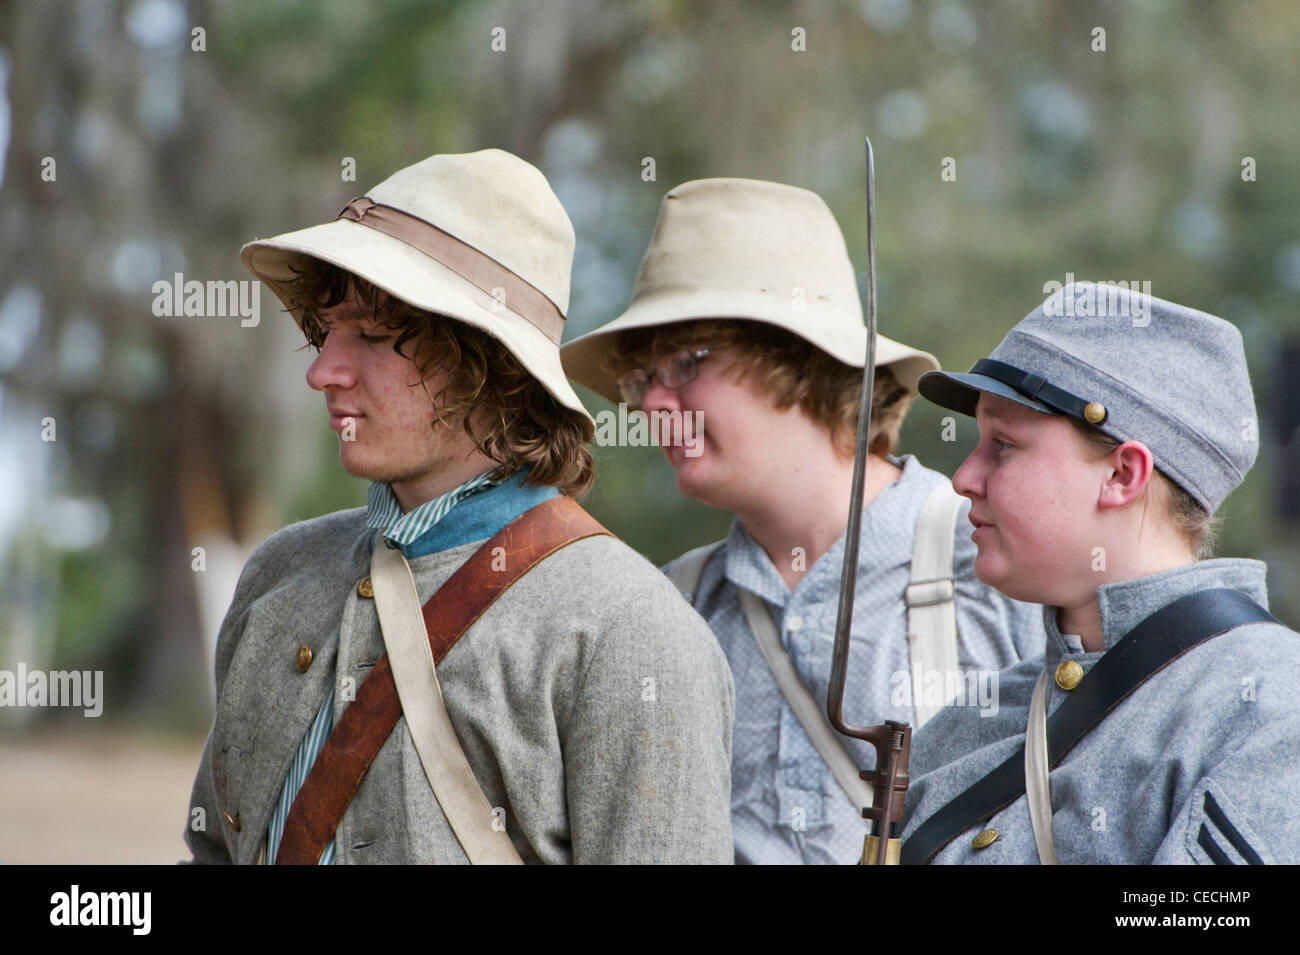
x=1162, y=725
x=746, y=319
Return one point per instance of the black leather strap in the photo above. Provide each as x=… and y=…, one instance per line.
x=1035, y=386
x=1145, y=650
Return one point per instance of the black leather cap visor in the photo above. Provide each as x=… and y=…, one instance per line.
x=961, y=392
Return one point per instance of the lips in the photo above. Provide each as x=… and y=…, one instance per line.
x=689, y=449
x=980, y=526
x=339, y=417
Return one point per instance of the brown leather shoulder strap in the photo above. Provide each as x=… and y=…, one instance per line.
x=369, y=719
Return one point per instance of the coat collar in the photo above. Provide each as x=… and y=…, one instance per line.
x=481, y=515
x=1126, y=603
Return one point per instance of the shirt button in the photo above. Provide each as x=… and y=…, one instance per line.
x=304, y=658
x=794, y=623
x=984, y=839
x=232, y=821
x=1068, y=675
x=365, y=589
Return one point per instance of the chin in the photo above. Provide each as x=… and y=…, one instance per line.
x=996, y=574
x=359, y=466
x=696, y=486
x=1011, y=583
x=983, y=573
x=692, y=490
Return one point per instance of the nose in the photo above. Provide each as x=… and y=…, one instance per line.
x=659, y=398
x=969, y=479
x=332, y=368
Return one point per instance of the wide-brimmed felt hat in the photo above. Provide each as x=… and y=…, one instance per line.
x=749, y=250
x=478, y=237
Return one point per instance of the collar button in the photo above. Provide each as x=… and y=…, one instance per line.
x=1068, y=674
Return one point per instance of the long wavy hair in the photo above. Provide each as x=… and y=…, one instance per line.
x=507, y=413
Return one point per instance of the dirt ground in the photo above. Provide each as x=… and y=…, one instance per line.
x=107, y=796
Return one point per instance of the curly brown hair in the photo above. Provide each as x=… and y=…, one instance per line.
x=789, y=368
x=507, y=413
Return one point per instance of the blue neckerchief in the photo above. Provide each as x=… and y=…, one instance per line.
x=385, y=513
x=481, y=515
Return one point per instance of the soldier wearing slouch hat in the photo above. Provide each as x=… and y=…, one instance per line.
x=436, y=304
x=746, y=319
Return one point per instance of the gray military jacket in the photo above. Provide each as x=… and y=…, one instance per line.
x=593, y=704
x=1201, y=763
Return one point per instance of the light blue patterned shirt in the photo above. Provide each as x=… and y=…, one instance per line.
x=405, y=530
x=786, y=806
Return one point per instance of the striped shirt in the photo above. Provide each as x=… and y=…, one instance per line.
x=384, y=514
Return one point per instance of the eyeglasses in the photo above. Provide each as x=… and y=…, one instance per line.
x=672, y=371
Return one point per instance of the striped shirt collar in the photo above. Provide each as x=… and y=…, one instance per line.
x=383, y=511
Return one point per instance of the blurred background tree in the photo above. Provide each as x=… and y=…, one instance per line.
x=180, y=130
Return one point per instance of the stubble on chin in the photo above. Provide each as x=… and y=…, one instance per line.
x=358, y=467
x=442, y=456
x=360, y=470
x=386, y=476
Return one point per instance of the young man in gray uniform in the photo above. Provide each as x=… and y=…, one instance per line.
x=746, y=327
x=1162, y=725
x=584, y=714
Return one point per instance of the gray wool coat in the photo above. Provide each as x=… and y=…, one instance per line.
x=1201, y=764
x=593, y=704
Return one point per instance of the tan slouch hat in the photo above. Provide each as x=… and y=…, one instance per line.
x=750, y=250
x=478, y=237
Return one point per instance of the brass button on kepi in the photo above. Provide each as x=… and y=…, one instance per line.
x=1068, y=675
x=984, y=839
x=304, y=658
x=232, y=821
x=1094, y=412
x=365, y=589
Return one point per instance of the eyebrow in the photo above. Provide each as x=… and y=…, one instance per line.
x=998, y=418
x=995, y=415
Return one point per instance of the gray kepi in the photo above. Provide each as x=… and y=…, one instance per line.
x=1137, y=368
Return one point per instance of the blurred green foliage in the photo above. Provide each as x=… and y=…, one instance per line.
x=1119, y=164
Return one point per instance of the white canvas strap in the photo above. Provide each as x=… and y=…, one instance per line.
x=685, y=574
x=1037, y=788
x=411, y=658
x=811, y=716
x=931, y=598
x=687, y=569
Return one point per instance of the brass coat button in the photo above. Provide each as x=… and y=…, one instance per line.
x=304, y=658
x=1094, y=412
x=1068, y=675
x=232, y=821
x=984, y=839
x=364, y=589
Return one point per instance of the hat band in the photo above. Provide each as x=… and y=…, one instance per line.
x=484, y=272
x=1038, y=387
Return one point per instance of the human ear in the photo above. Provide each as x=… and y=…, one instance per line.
x=1131, y=465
